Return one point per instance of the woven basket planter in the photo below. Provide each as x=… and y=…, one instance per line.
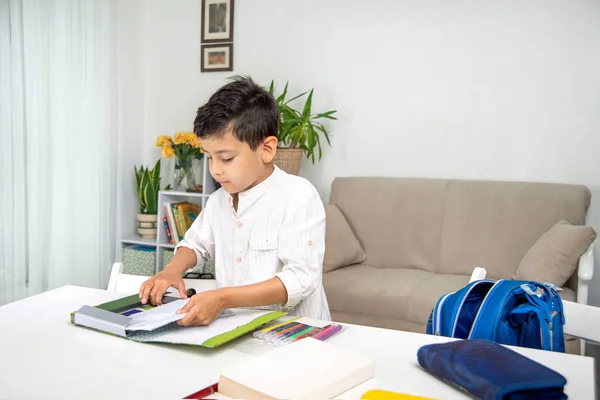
x=288, y=160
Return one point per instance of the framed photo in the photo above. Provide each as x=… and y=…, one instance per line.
x=216, y=57
x=217, y=21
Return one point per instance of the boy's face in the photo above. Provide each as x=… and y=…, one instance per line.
x=233, y=163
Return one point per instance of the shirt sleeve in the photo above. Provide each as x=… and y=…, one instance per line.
x=200, y=236
x=302, y=245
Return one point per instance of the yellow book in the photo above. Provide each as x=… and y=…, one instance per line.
x=385, y=395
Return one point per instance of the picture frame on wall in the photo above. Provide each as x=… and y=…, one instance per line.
x=217, y=21
x=216, y=57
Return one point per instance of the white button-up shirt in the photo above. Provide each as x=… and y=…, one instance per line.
x=278, y=230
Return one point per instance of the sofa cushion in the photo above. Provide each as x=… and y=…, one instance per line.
x=341, y=246
x=554, y=257
x=493, y=224
x=396, y=220
x=452, y=226
x=400, y=293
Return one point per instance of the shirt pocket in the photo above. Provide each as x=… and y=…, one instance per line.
x=264, y=241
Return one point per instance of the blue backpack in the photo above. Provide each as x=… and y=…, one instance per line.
x=519, y=313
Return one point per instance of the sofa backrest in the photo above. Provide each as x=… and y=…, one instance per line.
x=451, y=226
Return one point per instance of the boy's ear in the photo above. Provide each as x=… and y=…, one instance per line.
x=269, y=146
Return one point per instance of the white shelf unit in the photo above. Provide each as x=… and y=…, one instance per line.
x=161, y=242
x=164, y=197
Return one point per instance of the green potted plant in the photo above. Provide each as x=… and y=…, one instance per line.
x=300, y=132
x=147, y=187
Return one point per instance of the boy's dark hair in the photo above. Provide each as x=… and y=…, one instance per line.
x=249, y=109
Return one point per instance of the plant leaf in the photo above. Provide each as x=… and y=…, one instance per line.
x=322, y=129
x=156, y=176
x=311, y=137
x=138, y=189
x=294, y=98
x=149, y=196
x=143, y=173
x=281, y=98
x=327, y=114
x=307, y=106
x=319, y=146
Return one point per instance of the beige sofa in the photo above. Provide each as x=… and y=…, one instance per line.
x=395, y=245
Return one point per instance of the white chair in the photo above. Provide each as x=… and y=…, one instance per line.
x=581, y=320
x=585, y=274
x=126, y=283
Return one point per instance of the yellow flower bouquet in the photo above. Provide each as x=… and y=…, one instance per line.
x=185, y=146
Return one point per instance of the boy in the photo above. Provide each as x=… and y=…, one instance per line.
x=264, y=228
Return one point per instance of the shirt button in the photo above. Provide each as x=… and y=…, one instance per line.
x=238, y=260
x=310, y=243
x=240, y=224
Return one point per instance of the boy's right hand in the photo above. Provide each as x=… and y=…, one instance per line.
x=155, y=287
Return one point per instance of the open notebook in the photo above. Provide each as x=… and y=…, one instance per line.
x=127, y=317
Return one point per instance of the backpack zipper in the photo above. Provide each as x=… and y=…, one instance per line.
x=439, y=312
x=487, y=296
x=461, y=304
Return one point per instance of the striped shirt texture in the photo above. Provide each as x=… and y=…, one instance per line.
x=278, y=230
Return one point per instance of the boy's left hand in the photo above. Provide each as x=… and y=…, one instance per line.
x=202, y=308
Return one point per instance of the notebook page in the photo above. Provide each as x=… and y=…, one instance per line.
x=154, y=318
x=197, y=335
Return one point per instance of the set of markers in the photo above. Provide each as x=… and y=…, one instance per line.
x=293, y=330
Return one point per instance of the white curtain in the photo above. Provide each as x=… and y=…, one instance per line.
x=58, y=144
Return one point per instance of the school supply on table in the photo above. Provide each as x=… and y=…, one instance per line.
x=305, y=369
x=511, y=312
x=489, y=370
x=296, y=329
x=203, y=393
x=127, y=317
x=387, y=395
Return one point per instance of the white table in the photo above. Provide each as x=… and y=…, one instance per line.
x=44, y=356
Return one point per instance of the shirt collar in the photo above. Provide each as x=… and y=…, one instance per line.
x=256, y=191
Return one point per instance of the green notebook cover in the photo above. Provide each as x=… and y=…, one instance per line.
x=131, y=302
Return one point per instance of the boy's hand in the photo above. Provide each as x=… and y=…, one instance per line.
x=202, y=309
x=154, y=288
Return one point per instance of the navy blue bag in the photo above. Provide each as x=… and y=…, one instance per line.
x=491, y=371
x=511, y=312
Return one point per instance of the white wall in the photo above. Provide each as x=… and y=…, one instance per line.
x=132, y=138
x=505, y=90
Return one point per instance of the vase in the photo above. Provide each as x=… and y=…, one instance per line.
x=146, y=225
x=184, y=178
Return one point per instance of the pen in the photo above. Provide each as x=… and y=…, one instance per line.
x=200, y=394
x=324, y=334
x=281, y=337
x=272, y=332
x=311, y=333
x=301, y=333
x=282, y=328
x=263, y=332
x=293, y=326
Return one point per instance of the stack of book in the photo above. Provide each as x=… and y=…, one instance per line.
x=178, y=219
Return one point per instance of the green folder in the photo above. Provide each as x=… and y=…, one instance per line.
x=115, y=318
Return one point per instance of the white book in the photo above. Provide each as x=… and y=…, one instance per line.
x=306, y=369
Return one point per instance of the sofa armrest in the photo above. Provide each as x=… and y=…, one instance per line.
x=585, y=274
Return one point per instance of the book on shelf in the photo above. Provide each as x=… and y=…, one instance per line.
x=179, y=217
